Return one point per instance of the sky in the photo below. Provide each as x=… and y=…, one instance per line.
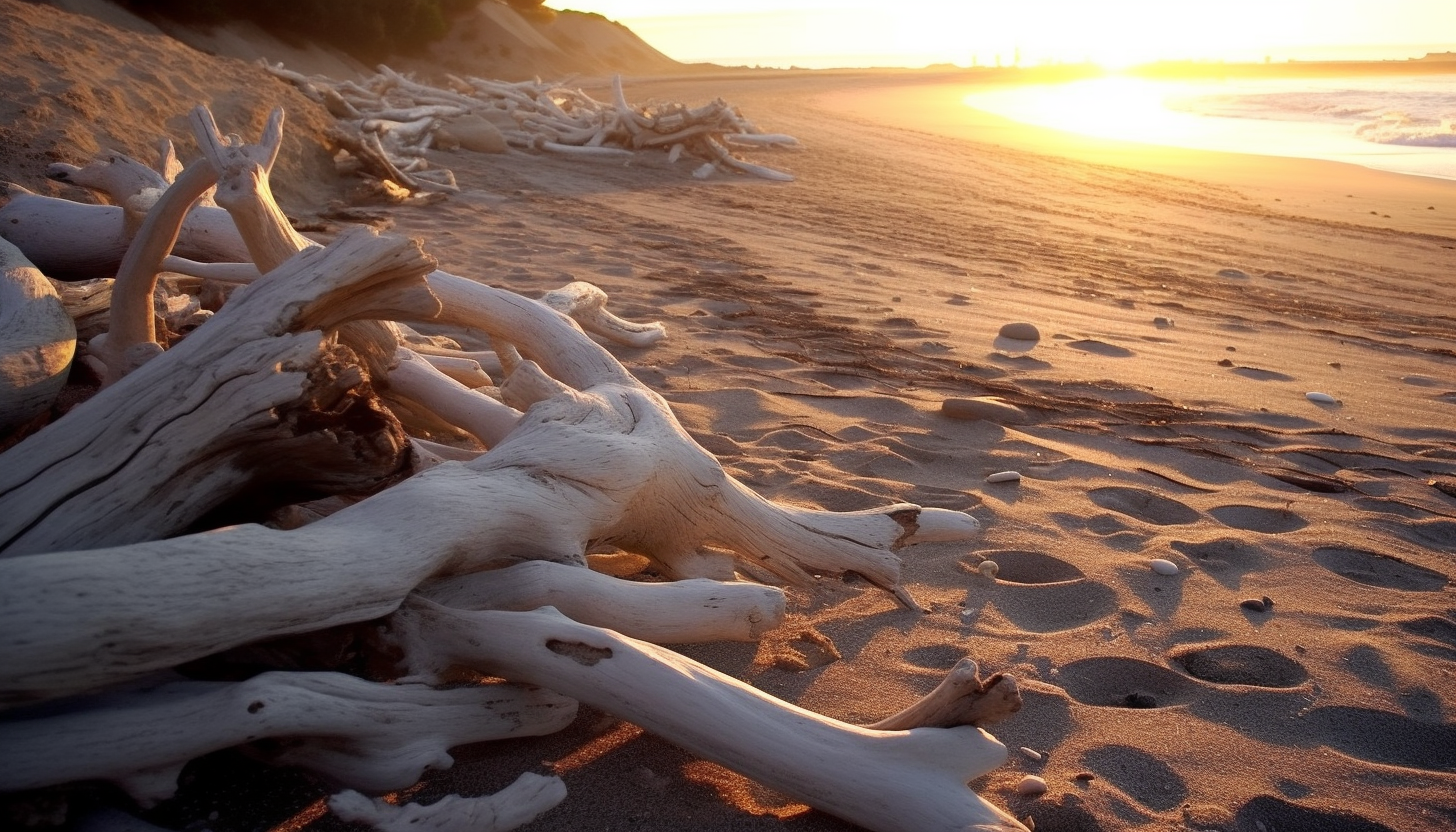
x=819, y=33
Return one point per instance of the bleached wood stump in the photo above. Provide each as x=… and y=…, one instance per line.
x=37, y=340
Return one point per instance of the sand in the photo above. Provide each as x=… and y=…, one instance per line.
x=817, y=327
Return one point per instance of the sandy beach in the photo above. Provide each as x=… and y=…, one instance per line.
x=1186, y=303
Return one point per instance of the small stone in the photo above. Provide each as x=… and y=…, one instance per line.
x=1163, y=567
x=989, y=408
x=1030, y=753
x=1234, y=274
x=1268, y=602
x=1225, y=362
x=1253, y=604
x=989, y=568
x=1162, y=323
x=1334, y=364
x=1021, y=331
x=1004, y=476
x=1031, y=785
x=1321, y=398
x=1084, y=776
x=1140, y=700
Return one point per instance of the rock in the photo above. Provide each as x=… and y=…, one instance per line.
x=1030, y=753
x=1084, y=776
x=1253, y=605
x=1163, y=567
x=1162, y=323
x=1235, y=274
x=988, y=408
x=1021, y=332
x=989, y=568
x=1004, y=476
x=1031, y=785
x=1321, y=398
x=475, y=133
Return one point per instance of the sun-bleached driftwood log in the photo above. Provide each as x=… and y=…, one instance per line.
x=587, y=305
x=890, y=781
x=961, y=698
x=529, y=797
x=414, y=378
x=37, y=340
x=66, y=239
x=201, y=422
x=364, y=735
x=131, y=338
x=388, y=121
x=674, y=612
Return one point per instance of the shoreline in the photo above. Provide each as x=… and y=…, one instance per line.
x=1325, y=190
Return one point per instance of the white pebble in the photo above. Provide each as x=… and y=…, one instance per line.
x=1030, y=753
x=989, y=568
x=1031, y=784
x=1163, y=567
x=1004, y=476
x=1321, y=398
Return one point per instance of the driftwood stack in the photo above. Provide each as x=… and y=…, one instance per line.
x=303, y=398
x=389, y=121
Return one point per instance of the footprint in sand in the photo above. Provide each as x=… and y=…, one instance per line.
x=1117, y=682
x=1268, y=813
x=1258, y=519
x=1044, y=594
x=1437, y=637
x=1383, y=571
x=1241, y=664
x=1139, y=775
x=1143, y=505
x=1226, y=559
x=1101, y=348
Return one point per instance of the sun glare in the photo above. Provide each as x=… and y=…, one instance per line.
x=1112, y=33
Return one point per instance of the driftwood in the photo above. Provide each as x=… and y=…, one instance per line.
x=364, y=735
x=389, y=121
x=37, y=340
x=516, y=805
x=477, y=564
x=149, y=455
x=897, y=781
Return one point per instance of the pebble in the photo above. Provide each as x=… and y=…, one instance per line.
x=989, y=568
x=1004, y=476
x=1030, y=753
x=1162, y=323
x=989, y=408
x=1031, y=784
x=1084, y=776
x=1321, y=398
x=1253, y=604
x=1021, y=331
x=1236, y=274
x=1163, y=567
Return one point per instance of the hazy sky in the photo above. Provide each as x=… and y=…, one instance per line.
x=1110, y=31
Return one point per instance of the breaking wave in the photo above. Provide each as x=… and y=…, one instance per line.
x=1402, y=129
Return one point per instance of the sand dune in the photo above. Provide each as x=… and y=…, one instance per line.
x=817, y=327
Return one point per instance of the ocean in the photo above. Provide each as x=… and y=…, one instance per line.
x=1393, y=122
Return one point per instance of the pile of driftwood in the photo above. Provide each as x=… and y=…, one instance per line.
x=389, y=121
x=130, y=591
